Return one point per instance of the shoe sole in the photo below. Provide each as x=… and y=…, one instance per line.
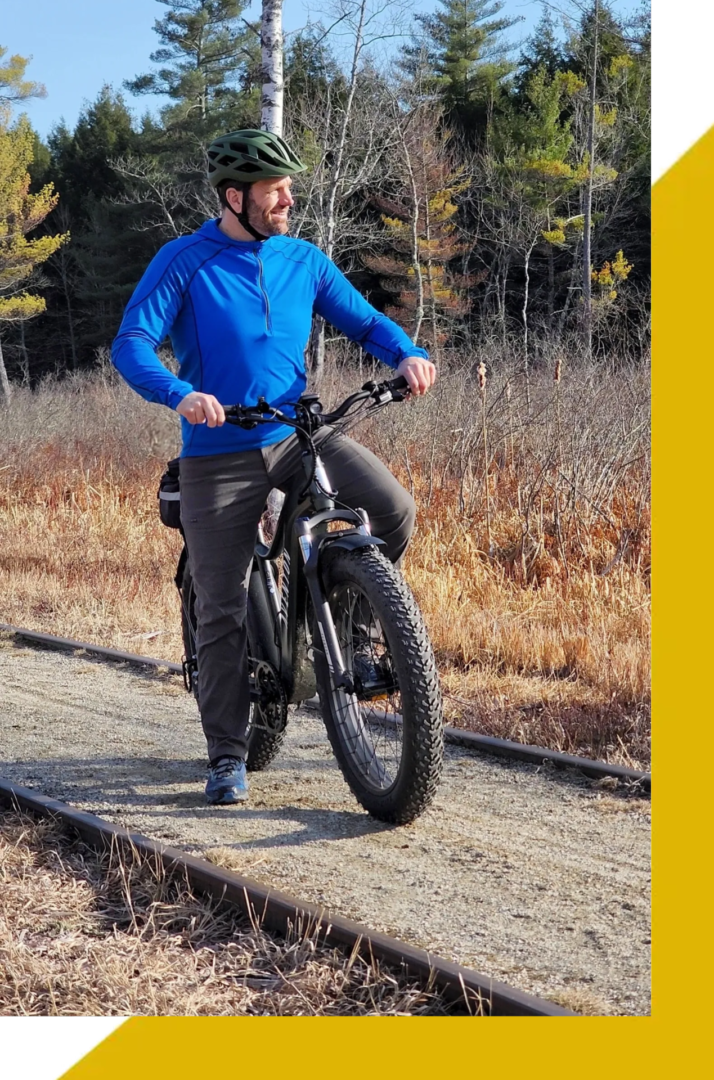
x=228, y=798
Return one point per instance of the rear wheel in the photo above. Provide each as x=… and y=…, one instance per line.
x=268, y=721
x=388, y=735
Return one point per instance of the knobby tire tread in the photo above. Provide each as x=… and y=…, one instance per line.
x=394, y=604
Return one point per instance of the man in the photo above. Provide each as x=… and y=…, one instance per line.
x=236, y=298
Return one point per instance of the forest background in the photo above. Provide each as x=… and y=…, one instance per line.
x=490, y=195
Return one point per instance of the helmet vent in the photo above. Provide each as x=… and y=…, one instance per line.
x=249, y=167
x=227, y=159
x=270, y=159
x=240, y=148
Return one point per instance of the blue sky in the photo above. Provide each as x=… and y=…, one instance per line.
x=78, y=45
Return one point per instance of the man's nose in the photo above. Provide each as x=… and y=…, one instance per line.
x=286, y=199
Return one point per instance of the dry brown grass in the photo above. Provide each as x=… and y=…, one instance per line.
x=541, y=635
x=89, y=935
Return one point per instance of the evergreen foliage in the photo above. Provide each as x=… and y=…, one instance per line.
x=542, y=50
x=484, y=232
x=208, y=66
x=20, y=214
x=14, y=86
x=461, y=55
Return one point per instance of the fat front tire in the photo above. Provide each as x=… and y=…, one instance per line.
x=263, y=745
x=389, y=743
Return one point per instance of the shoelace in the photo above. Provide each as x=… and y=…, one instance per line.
x=224, y=767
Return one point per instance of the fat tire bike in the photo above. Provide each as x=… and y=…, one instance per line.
x=328, y=612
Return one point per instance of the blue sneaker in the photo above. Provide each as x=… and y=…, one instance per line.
x=227, y=782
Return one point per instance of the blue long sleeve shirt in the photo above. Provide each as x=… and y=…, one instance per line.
x=239, y=315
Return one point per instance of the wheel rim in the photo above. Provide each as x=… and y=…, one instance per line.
x=369, y=724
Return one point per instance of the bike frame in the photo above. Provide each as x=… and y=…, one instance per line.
x=302, y=537
x=277, y=619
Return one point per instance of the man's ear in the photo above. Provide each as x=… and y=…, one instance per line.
x=234, y=198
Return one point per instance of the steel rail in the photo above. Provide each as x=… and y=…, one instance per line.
x=535, y=755
x=470, y=740
x=281, y=913
x=50, y=641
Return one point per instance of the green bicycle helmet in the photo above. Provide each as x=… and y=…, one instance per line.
x=250, y=155
x=246, y=156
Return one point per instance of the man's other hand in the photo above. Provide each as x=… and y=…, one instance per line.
x=201, y=409
x=419, y=373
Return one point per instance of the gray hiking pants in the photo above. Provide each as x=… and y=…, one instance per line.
x=222, y=500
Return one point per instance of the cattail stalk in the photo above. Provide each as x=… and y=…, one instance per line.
x=559, y=465
x=556, y=380
x=510, y=420
x=482, y=387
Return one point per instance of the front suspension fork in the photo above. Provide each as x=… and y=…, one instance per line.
x=310, y=548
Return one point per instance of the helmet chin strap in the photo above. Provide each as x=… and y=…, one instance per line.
x=243, y=216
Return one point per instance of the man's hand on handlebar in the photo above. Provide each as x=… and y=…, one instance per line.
x=200, y=408
x=419, y=373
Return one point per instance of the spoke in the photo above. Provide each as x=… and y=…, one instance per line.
x=375, y=743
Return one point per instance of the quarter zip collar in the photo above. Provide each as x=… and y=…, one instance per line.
x=211, y=230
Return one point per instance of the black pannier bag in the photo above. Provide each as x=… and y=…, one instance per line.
x=170, y=496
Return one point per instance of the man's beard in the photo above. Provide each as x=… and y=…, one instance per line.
x=262, y=222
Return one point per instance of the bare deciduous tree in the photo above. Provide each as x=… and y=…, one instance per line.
x=352, y=140
x=174, y=206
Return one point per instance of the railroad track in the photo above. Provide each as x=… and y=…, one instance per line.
x=482, y=744
x=280, y=913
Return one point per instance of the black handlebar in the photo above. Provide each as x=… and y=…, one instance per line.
x=308, y=409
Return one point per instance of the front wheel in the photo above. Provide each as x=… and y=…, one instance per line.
x=388, y=736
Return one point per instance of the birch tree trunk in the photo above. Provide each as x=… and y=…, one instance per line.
x=429, y=273
x=5, y=389
x=588, y=208
x=524, y=316
x=416, y=265
x=271, y=44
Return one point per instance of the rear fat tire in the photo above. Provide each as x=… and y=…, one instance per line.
x=263, y=745
x=394, y=605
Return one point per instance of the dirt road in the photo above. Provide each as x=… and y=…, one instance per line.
x=534, y=877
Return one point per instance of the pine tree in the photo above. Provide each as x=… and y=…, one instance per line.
x=610, y=41
x=209, y=66
x=14, y=86
x=82, y=161
x=462, y=47
x=20, y=214
x=530, y=181
x=542, y=50
x=90, y=280
x=310, y=70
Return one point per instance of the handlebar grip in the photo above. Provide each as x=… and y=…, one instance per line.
x=400, y=383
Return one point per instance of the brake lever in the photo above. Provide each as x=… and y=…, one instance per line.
x=385, y=392
x=233, y=417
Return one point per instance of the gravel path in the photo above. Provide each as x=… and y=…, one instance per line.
x=534, y=877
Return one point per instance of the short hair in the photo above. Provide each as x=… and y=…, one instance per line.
x=223, y=188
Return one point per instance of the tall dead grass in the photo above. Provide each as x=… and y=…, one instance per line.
x=83, y=934
x=539, y=612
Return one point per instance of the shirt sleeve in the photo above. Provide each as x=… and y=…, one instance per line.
x=342, y=305
x=149, y=316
